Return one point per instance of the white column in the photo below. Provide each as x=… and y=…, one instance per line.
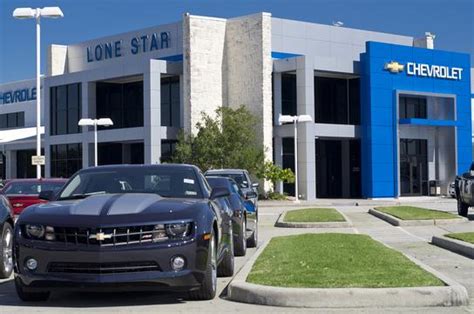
x=152, y=112
x=306, y=139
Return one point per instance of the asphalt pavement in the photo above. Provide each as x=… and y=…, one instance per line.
x=413, y=241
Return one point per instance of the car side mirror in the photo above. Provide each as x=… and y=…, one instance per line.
x=46, y=195
x=255, y=185
x=219, y=192
x=251, y=194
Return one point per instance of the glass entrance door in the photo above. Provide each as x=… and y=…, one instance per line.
x=413, y=167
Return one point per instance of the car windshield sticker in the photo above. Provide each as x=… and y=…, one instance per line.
x=190, y=193
x=188, y=181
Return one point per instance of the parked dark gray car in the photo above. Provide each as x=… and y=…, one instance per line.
x=243, y=179
x=140, y=227
x=245, y=215
x=465, y=191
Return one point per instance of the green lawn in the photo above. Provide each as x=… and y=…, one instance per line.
x=415, y=213
x=466, y=236
x=334, y=260
x=313, y=215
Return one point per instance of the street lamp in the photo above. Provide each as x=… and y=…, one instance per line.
x=29, y=13
x=282, y=119
x=95, y=123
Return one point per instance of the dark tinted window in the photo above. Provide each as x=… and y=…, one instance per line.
x=337, y=100
x=65, y=109
x=12, y=120
x=123, y=103
x=288, y=161
x=412, y=107
x=66, y=159
x=170, y=99
x=167, y=150
x=288, y=94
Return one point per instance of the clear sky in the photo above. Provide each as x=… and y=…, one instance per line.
x=450, y=20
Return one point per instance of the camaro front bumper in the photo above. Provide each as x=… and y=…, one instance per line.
x=138, y=267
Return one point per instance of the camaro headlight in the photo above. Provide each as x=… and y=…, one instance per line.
x=162, y=232
x=35, y=231
x=40, y=232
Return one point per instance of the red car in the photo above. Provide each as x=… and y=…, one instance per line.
x=24, y=192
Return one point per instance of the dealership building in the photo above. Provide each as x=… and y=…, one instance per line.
x=391, y=115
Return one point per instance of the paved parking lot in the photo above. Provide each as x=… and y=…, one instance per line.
x=410, y=240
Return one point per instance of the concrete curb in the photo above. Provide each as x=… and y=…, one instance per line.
x=427, y=222
x=336, y=224
x=451, y=295
x=453, y=245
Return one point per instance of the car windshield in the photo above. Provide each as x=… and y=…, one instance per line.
x=31, y=188
x=238, y=177
x=176, y=182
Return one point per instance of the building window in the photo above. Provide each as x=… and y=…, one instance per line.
x=288, y=161
x=337, y=100
x=12, y=120
x=66, y=159
x=413, y=107
x=123, y=103
x=170, y=99
x=24, y=168
x=65, y=109
x=168, y=148
x=288, y=94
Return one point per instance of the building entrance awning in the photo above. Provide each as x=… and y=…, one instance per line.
x=8, y=136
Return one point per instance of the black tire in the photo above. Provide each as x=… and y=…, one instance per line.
x=253, y=240
x=29, y=296
x=209, y=284
x=462, y=208
x=226, y=267
x=240, y=245
x=6, y=251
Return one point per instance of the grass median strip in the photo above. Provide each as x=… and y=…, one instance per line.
x=415, y=213
x=334, y=260
x=313, y=215
x=465, y=236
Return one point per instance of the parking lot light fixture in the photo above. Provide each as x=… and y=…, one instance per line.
x=37, y=14
x=282, y=119
x=95, y=123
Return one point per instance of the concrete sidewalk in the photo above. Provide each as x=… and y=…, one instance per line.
x=413, y=241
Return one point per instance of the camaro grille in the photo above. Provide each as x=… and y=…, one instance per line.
x=104, y=236
x=102, y=268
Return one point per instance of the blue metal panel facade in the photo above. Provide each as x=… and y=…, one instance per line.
x=378, y=109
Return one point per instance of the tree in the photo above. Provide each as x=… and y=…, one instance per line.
x=227, y=141
x=275, y=174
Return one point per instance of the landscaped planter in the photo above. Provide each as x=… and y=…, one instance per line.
x=313, y=218
x=432, y=217
x=454, y=245
x=442, y=292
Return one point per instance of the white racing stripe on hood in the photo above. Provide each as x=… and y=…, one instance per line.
x=91, y=205
x=132, y=203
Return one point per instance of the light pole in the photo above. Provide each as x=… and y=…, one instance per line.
x=95, y=123
x=282, y=119
x=29, y=13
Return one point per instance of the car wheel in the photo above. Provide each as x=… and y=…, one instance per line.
x=240, y=248
x=29, y=296
x=6, y=249
x=209, y=285
x=226, y=267
x=462, y=208
x=253, y=240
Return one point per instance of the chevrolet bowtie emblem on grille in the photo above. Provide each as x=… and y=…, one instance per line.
x=394, y=67
x=100, y=236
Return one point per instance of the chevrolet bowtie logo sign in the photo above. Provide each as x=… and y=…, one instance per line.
x=394, y=67
x=100, y=236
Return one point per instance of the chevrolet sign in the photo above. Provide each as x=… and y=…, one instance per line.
x=425, y=70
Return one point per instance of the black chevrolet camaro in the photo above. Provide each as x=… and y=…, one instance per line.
x=140, y=227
